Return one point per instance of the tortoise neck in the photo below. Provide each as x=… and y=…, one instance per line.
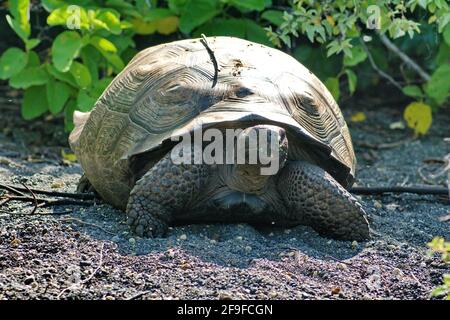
x=245, y=178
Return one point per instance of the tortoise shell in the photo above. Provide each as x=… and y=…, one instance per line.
x=166, y=90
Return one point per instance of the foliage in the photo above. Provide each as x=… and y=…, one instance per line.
x=439, y=245
x=338, y=40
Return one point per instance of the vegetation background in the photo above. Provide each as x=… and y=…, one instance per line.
x=63, y=54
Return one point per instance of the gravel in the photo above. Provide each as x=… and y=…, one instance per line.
x=74, y=252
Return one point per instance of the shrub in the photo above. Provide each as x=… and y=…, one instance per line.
x=343, y=42
x=440, y=246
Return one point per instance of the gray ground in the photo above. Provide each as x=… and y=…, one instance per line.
x=89, y=253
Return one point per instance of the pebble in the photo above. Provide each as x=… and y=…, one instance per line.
x=354, y=244
x=248, y=248
x=239, y=238
x=115, y=239
x=273, y=294
x=132, y=241
x=377, y=204
x=213, y=241
x=183, y=237
x=225, y=296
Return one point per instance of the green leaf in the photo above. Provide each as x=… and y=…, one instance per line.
x=413, y=91
x=62, y=76
x=358, y=55
x=57, y=95
x=440, y=291
x=439, y=84
x=352, y=80
x=31, y=43
x=256, y=33
x=273, y=16
x=34, y=102
x=20, y=11
x=81, y=74
x=28, y=77
x=85, y=102
x=71, y=106
x=50, y=5
x=197, y=12
x=15, y=25
x=110, y=19
x=108, y=50
x=103, y=44
x=258, y=5
x=33, y=59
x=65, y=48
x=446, y=34
x=157, y=14
x=71, y=16
x=241, y=28
x=12, y=62
x=333, y=85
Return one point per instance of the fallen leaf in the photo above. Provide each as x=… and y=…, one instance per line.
x=358, y=117
x=68, y=157
x=418, y=117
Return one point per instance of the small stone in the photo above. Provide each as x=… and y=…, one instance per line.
x=365, y=261
x=213, y=241
x=248, y=248
x=273, y=294
x=271, y=234
x=336, y=290
x=115, y=239
x=291, y=254
x=109, y=298
x=287, y=231
x=225, y=296
x=132, y=241
x=239, y=238
x=397, y=272
x=354, y=244
x=377, y=204
x=183, y=237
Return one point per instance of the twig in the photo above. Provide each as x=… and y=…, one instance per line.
x=213, y=59
x=377, y=69
x=138, y=295
x=49, y=202
x=16, y=190
x=34, y=199
x=88, y=224
x=12, y=189
x=387, y=145
x=100, y=264
x=391, y=46
x=400, y=189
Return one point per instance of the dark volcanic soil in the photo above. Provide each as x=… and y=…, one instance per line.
x=88, y=252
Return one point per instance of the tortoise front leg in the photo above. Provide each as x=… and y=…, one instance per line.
x=314, y=198
x=163, y=190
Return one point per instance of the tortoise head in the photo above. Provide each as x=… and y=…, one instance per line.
x=265, y=148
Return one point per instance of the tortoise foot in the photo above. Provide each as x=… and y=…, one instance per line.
x=314, y=198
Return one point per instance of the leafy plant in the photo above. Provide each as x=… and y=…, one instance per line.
x=439, y=245
x=343, y=42
x=359, y=32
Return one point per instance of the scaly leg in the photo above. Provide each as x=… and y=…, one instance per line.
x=163, y=190
x=314, y=198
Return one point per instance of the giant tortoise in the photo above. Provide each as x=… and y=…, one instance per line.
x=126, y=143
